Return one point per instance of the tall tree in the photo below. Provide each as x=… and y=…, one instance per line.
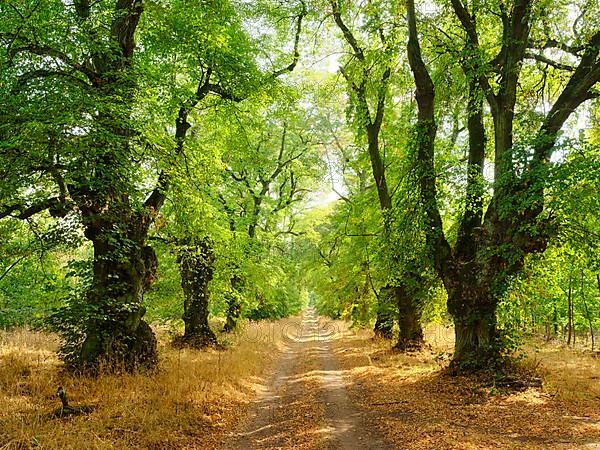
x=74, y=74
x=267, y=177
x=368, y=73
x=224, y=72
x=84, y=53
x=493, y=242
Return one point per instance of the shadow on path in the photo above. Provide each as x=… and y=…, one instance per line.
x=306, y=404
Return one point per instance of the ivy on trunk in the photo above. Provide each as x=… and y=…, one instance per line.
x=393, y=298
x=491, y=246
x=196, y=263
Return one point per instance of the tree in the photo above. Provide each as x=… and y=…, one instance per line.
x=196, y=262
x=228, y=65
x=79, y=64
x=493, y=242
x=83, y=155
x=368, y=72
x=270, y=165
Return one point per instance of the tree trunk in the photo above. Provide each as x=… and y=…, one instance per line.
x=234, y=304
x=196, y=265
x=571, y=337
x=410, y=332
x=386, y=313
x=116, y=335
x=587, y=311
x=473, y=296
x=475, y=333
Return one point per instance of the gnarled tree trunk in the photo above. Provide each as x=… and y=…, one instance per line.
x=196, y=264
x=234, y=304
x=473, y=308
x=386, y=313
x=410, y=331
x=117, y=337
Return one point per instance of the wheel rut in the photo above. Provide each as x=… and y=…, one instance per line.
x=305, y=404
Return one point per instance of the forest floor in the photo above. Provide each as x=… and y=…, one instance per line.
x=301, y=383
x=337, y=389
x=411, y=402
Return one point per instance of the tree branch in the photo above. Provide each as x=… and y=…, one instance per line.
x=223, y=93
x=541, y=58
x=296, y=53
x=12, y=266
x=426, y=132
x=381, y=98
x=553, y=43
x=337, y=16
x=577, y=90
x=44, y=50
x=25, y=212
x=470, y=27
x=23, y=79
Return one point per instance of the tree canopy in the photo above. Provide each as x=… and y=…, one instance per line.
x=391, y=163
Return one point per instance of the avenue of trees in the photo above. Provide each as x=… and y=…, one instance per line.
x=391, y=162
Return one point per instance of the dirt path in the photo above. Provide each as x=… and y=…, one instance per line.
x=334, y=389
x=306, y=404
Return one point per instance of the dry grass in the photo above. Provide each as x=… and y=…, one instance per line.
x=413, y=404
x=569, y=375
x=196, y=397
x=189, y=403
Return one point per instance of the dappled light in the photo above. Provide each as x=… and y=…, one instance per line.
x=412, y=401
x=299, y=224
x=190, y=400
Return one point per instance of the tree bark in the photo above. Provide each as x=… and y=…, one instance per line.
x=554, y=320
x=386, y=314
x=587, y=311
x=570, y=337
x=234, y=304
x=124, y=267
x=475, y=336
x=388, y=300
x=472, y=304
x=410, y=331
x=196, y=263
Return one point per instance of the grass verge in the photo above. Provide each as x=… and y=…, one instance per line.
x=190, y=402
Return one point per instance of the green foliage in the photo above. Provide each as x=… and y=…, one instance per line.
x=87, y=134
x=33, y=258
x=164, y=299
x=70, y=318
x=538, y=301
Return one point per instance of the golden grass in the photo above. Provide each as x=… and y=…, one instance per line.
x=192, y=399
x=568, y=374
x=197, y=397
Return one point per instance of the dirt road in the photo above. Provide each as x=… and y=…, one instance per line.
x=334, y=389
x=306, y=404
